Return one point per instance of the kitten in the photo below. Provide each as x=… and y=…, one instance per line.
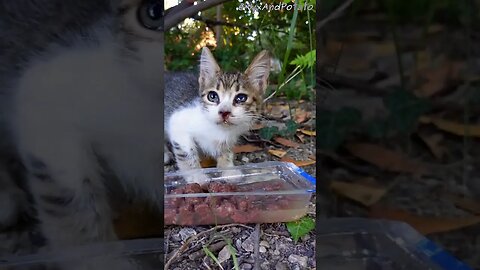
x=80, y=98
x=209, y=117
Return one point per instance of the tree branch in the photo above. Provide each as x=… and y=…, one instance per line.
x=172, y=19
x=335, y=14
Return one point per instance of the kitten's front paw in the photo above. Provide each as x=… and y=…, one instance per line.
x=199, y=178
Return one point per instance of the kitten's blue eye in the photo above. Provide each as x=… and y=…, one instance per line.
x=240, y=98
x=213, y=97
x=150, y=14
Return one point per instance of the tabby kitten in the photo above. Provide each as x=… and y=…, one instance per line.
x=81, y=102
x=208, y=118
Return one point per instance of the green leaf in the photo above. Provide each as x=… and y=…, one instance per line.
x=404, y=110
x=290, y=130
x=333, y=127
x=300, y=227
x=306, y=60
x=267, y=133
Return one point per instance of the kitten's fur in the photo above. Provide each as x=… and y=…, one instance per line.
x=194, y=124
x=80, y=82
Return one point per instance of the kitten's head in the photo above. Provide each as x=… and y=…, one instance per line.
x=233, y=99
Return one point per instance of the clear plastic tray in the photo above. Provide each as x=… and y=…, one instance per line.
x=366, y=244
x=255, y=193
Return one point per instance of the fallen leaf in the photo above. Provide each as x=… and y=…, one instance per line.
x=467, y=204
x=286, y=142
x=208, y=162
x=308, y=132
x=246, y=148
x=277, y=110
x=300, y=137
x=366, y=195
x=459, y=129
x=385, y=159
x=424, y=224
x=312, y=157
x=301, y=115
x=299, y=163
x=433, y=143
x=437, y=78
x=277, y=152
x=257, y=126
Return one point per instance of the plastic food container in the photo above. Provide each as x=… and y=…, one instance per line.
x=255, y=193
x=366, y=244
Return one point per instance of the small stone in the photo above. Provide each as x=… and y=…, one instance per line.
x=248, y=244
x=306, y=237
x=281, y=266
x=300, y=260
x=276, y=252
x=185, y=233
x=224, y=254
x=245, y=159
x=264, y=243
x=262, y=249
x=246, y=266
x=265, y=265
x=238, y=243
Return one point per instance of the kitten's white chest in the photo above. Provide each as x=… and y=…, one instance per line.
x=189, y=126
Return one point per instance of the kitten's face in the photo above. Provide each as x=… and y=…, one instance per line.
x=233, y=99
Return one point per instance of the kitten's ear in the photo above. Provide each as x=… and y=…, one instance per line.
x=258, y=71
x=208, y=68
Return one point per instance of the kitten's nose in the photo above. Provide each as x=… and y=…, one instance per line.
x=224, y=114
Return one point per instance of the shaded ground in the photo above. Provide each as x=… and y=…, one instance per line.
x=428, y=173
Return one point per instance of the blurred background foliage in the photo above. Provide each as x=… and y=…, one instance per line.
x=287, y=34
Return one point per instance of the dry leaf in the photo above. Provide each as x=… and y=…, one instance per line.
x=366, y=195
x=437, y=78
x=433, y=143
x=246, y=148
x=277, y=110
x=257, y=126
x=308, y=132
x=423, y=224
x=277, y=152
x=208, y=162
x=466, y=204
x=301, y=115
x=300, y=137
x=452, y=127
x=286, y=142
x=385, y=159
x=312, y=157
x=299, y=163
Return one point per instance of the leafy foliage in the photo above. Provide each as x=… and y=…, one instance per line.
x=267, y=133
x=300, y=227
x=244, y=33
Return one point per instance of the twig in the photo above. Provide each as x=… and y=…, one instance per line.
x=213, y=247
x=257, y=247
x=172, y=19
x=191, y=238
x=335, y=14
